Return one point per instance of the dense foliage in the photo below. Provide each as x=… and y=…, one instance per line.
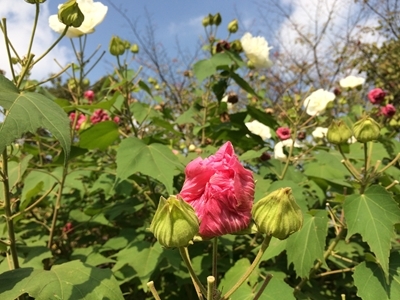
x=84, y=166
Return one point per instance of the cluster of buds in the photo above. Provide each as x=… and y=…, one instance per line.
x=365, y=130
x=377, y=96
x=212, y=20
x=100, y=115
x=118, y=46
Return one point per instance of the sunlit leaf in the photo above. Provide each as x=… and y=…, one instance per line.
x=26, y=112
x=307, y=245
x=370, y=280
x=99, y=136
x=71, y=280
x=373, y=215
x=154, y=160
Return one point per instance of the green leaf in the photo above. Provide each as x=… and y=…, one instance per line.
x=262, y=117
x=99, y=136
x=143, y=257
x=90, y=256
x=370, y=280
x=188, y=116
x=72, y=280
x=328, y=167
x=243, y=84
x=26, y=112
x=154, y=160
x=207, y=67
x=307, y=245
x=373, y=215
x=145, y=87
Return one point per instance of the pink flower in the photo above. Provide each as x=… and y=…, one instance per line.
x=283, y=133
x=116, y=119
x=388, y=111
x=221, y=191
x=81, y=119
x=99, y=115
x=89, y=95
x=376, y=96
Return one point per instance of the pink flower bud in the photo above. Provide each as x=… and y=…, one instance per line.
x=283, y=133
x=89, y=95
x=388, y=111
x=221, y=191
x=116, y=119
x=376, y=96
x=68, y=227
x=81, y=119
x=99, y=115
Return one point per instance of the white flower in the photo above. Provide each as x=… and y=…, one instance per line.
x=319, y=132
x=352, y=140
x=256, y=50
x=94, y=13
x=278, y=149
x=228, y=104
x=259, y=129
x=351, y=81
x=317, y=102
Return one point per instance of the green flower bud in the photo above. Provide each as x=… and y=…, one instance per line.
x=35, y=1
x=69, y=14
x=207, y=20
x=278, y=214
x=236, y=46
x=366, y=130
x=217, y=19
x=134, y=48
x=175, y=223
x=233, y=26
x=117, y=46
x=14, y=60
x=152, y=81
x=338, y=132
x=127, y=44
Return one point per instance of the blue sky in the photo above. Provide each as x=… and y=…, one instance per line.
x=173, y=20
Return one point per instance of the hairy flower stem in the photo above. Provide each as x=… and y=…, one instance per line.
x=210, y=287
x=57, y=206
x=7, y=210
x=250, y=270
x=8, y=45
x=196, y=281
x=215, y=258
x=318, y=265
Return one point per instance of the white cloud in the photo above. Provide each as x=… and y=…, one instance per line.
x=20, y=18
x=182, y=28
x=306, y=19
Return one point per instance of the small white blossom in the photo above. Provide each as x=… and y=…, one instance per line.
x=256, y=50
x=317, y=102
x=351, y=81
x=259, y=129
x=94, y=13
x=228, y=104
x=319, y=132
x=278, y=149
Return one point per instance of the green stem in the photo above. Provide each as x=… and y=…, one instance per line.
x=4, y=28
x=215, y=258
x=185, y=256
x=34, y=29
x=52, y=46
x=327, y=253
x=8, y=213
x=250, y=270
x=153, y=290
x=210, y=287
x=57, y=206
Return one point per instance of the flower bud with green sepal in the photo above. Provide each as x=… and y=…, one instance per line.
x=233, y=26
x=70, y=14
x=278, y=214
x=134, y=48
x=366, y=130
x=338, y=132
x=217, y=19
x=175, y=222
x=117, y=46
